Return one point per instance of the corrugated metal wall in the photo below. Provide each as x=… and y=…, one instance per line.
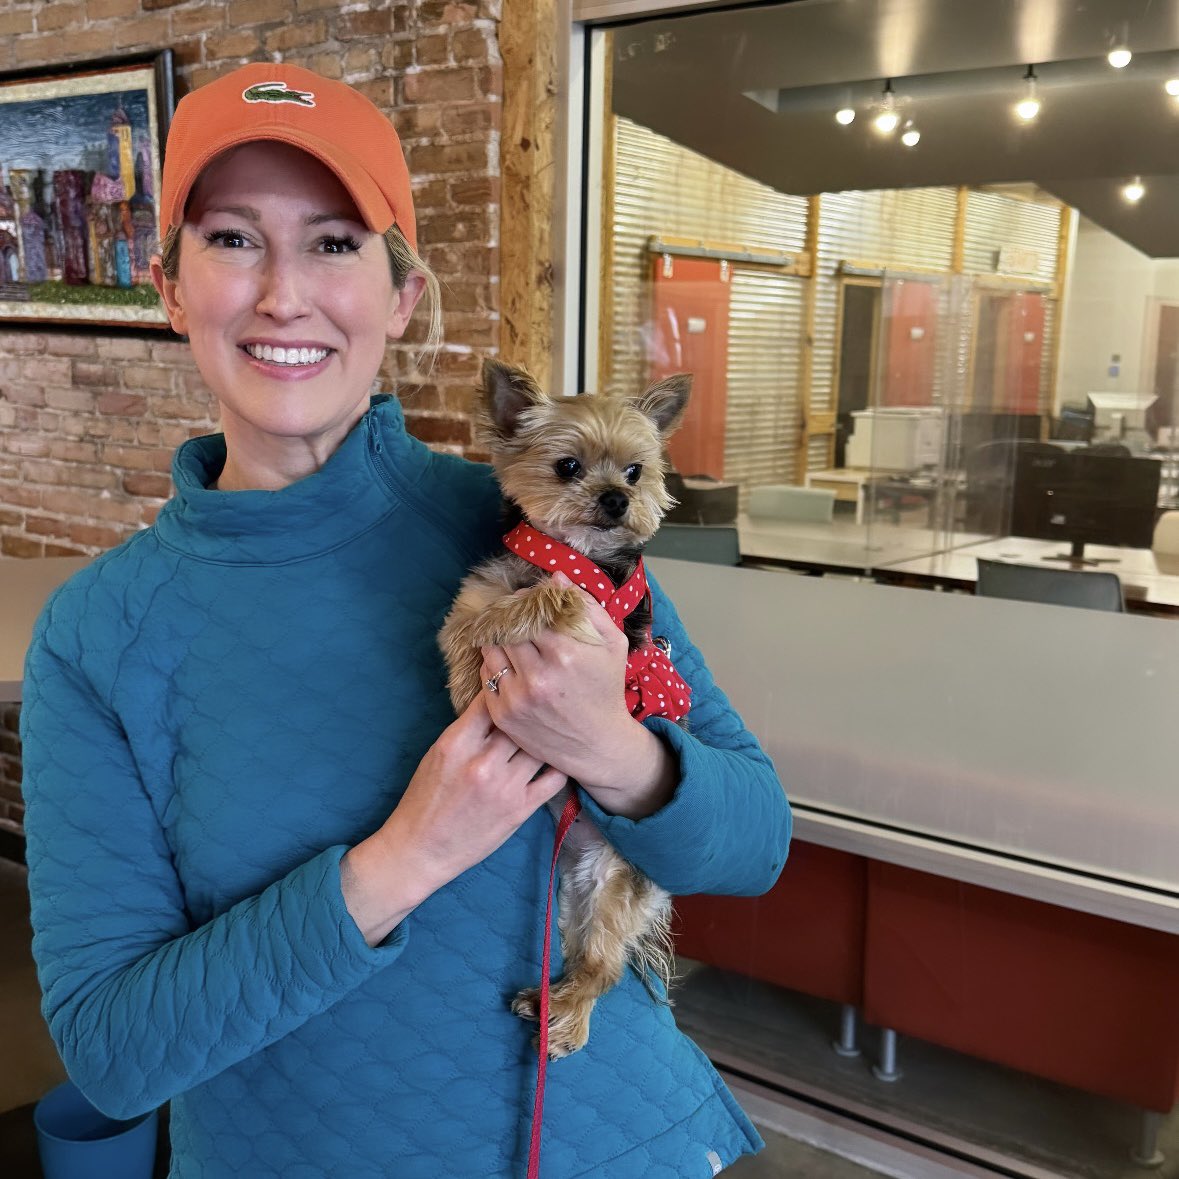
x=662, y=189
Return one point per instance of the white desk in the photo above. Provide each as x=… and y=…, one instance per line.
x=1149, y=582
x=840, y=546
x=24, y=587
x=1011, y=745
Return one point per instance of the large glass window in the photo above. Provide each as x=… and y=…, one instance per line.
x=923, y=262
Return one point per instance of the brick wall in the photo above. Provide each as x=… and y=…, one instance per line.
x=88, y=421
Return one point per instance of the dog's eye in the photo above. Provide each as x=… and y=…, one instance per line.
x=633, y=472
x=567, y=468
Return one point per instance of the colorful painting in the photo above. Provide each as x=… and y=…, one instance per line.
x=79, y=174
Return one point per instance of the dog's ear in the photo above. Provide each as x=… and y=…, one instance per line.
x=507, y=391
x=666, y=402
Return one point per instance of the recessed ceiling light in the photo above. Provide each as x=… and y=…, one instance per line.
x=1134, y=191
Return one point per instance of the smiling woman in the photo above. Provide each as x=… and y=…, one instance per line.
x=246, y=789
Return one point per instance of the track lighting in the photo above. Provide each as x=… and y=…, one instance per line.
x=1134, y=191
x=887, y=119
x=1028, y=107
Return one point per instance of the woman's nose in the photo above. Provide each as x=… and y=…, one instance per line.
x=284, y=294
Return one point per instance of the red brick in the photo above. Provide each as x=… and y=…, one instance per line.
x=21, y=546
x=62, y=550
x=255, y=12
x=92, y=536
x=190, y=21
x=46, y=370
x=148, y=484
x=81, y=400
x=88, y=373
x=106, y=9
x=446, y=12
x=473, y=46
x=439, y=429
x=149, y=31
x=372, y=22
x=428, y=51
x=12, y=23
x=146, y=376
x=135, y=458
x=82, y=347
x=360, y=59
x=430, y=159
x=54, y=17
x=237, y=43
x=24, y=343
x=123, y=404
x=472, y=119
x=73, y=452
x=32, y=445
x=121, y=348
x=296, y=36
x=441, y=85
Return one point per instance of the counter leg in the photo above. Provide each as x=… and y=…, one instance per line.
x=1146, y=1153
x=846, y=1045
x=887, y=1069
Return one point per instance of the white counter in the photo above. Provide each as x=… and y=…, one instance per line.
x=1018, y=746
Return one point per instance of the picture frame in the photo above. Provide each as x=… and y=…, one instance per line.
x=81, y=148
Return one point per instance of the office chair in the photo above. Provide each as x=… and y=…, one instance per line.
x=1061, y=587
x=711, y=544
x=990, y=480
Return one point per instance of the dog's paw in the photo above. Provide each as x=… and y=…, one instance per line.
x=568, y=1020
x=527, y=1004
x=523, y=616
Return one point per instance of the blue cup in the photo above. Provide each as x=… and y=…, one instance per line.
x=76, y=1141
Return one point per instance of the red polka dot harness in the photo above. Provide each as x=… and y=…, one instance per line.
x=653, y=688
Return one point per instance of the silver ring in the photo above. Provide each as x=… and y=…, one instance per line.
x=492, y=685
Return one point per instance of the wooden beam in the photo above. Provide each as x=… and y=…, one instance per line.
x=528, y=41
x=609, y=191
x=807, y=367
x=958, y=251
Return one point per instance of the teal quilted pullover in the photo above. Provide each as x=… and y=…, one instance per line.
x=214, y=712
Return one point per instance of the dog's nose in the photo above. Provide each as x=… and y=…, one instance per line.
x=613, y=503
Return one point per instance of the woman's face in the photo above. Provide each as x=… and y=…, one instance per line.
x=287, y=300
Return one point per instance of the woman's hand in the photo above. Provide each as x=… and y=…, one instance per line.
x=565, y=702
x=471, y=791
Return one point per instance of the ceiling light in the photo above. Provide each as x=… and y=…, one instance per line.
x=1119, y=57
x=887, y=119
x=1134, y=191
x=910, y=137
x=1172, y=87
x=845, y=115
x=1028, y=107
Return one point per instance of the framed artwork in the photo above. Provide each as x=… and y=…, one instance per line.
x=80, y=154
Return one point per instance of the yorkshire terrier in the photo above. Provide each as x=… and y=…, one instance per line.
x=589, y=472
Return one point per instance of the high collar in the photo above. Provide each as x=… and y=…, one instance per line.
x=357, y=486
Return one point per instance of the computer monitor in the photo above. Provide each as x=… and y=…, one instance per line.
x=1085, y=499
x=1116, y=415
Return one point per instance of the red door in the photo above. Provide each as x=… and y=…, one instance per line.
x=690, y=333
x=1022, y=328
x=910, y=313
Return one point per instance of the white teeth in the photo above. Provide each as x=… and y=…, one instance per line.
x=287, y=356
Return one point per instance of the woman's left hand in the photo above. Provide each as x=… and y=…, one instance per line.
x=565, y=703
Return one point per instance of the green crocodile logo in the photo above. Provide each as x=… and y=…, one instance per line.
x=278, y=92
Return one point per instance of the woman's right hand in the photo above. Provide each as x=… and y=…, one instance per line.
x=470, y=792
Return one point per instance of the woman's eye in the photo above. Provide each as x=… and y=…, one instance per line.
x=633, y=472
x=231, y=239
x=339, y=245
x=567, y=468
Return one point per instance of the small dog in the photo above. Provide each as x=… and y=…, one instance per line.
x=587, y=471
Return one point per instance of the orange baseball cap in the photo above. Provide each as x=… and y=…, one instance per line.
x=329, y=120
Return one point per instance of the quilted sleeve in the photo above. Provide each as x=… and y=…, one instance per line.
x=726, y=829
x=141, y=1005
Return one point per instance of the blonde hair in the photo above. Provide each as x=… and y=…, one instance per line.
x=404, y=260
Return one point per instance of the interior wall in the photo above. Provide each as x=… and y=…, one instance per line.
x=1109, y=287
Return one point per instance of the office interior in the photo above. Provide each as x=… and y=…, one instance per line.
x=901, y=342
x=933, y=333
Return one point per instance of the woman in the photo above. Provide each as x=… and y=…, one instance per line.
x=273, y=879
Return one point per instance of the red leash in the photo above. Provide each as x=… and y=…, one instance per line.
x=568, y=815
